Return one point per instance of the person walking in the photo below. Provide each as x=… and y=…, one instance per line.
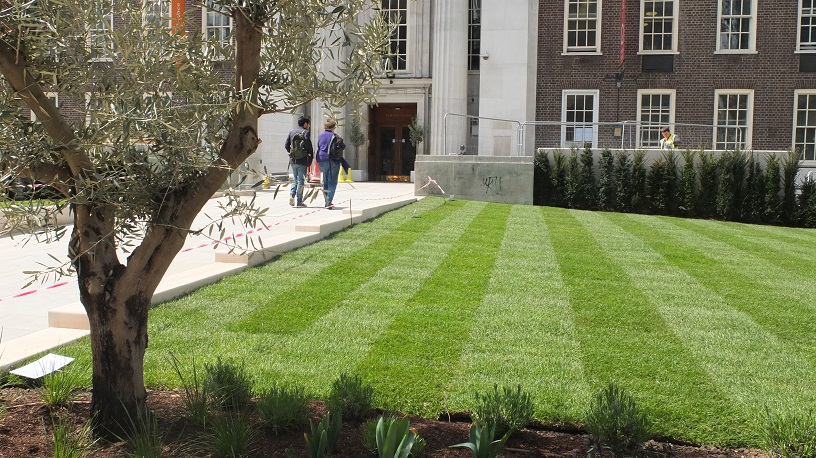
x=330, y=148
x=301, y=152
x=669, y=139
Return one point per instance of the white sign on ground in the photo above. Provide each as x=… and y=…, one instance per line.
x=43, y=366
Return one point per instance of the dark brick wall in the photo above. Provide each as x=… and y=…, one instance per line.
x=773, y=72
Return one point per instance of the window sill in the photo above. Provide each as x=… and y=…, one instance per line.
x=658, y=53
x=582, y=53
x=805, y=51
x=736, y=52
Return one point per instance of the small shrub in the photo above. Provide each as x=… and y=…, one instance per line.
x=789, y=436
x=655, y=183
x=790, y=169
x=507, y=409
x=72, y=443
x=144, y=439
x=623, y=181
x=559, y=178
x=806, y=206
x=58, y=387
x=195, y=394
x=688, y=184
x=396, y=439
x=232, y=435
x=542, y=177
x=482, y=443
x=616, y=423
x=732, y=185
x=707, y=200
x=773, y=185
x=606, y=182
x=587, y=188
x=351, y=397
x=755, y=192
x=228, y=385
x=572, y=180
x=283, y=409
x=638, y=182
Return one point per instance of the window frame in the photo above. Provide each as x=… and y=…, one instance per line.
x=565, y=93
x=404, y=23
x=674, y=32
x=165, y=17
x=752, y=30
x=598, y=28
x=205, y=28
x=796, y=94
x=474, y=35
x=672, y=93
x=812, y=43
x=92, y=40
x=749, y=128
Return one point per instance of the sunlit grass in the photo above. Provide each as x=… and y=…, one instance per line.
x=704, y=323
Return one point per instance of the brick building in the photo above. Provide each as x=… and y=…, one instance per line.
x=725, y=73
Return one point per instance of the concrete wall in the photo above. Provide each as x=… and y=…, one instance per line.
x=485, y=178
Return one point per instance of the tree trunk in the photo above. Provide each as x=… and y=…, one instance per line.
x=118, y=344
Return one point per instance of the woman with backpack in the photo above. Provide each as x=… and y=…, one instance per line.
x=330, y=148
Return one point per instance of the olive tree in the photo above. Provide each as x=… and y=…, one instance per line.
x=151, y=118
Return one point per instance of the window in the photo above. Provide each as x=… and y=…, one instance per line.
x=100, y=44
x=655, y=111
x=804, y=124
x=578, y=113
x=659, y=19
x=733, y=113
x=396, y=14
x=157, y=13
x=475, y=34
x=217, y=25
x=807, y=25
x=53, y=97
x=582, y=28
x=737, y=26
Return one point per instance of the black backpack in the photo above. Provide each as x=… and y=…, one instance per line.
x=336, y=148
x=298, y=148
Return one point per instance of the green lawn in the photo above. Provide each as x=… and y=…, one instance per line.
x=704, y=323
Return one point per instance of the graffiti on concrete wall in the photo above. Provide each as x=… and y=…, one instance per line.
x=492, y=185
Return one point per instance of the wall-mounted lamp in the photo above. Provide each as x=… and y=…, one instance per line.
x=485, y=56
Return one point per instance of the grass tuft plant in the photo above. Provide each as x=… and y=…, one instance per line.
x=228, y=385
x=195, y=393
x=233, y=435
x=506, y=410
x=71, y=443
x=789, y=436
x=616, y=423
x=59, y=387
x=283, y=408
x=482, y=443
x=325, y=435
x=144, y=439
x=351, y=397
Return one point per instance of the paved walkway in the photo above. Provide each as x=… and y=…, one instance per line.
x=24, y=312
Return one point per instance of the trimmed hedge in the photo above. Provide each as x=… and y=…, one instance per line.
x=731, y=186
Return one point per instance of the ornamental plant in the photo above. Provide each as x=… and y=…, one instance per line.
x=616, y=423
x=482, y=443
x=506, y=409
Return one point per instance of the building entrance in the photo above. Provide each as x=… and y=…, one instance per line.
x=391, y=155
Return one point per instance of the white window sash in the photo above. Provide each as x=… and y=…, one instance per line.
x=751, y=30
x=675, y=27
x=744, y=132
x=596, y=48
x=589, y=132
x=669, y=123
x=807, y=156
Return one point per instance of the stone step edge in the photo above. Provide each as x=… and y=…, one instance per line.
x=18, y=350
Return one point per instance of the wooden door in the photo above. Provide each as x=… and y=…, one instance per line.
x=392, y=156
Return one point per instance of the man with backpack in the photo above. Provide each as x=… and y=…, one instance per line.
x=330, y=148
x=301, y=152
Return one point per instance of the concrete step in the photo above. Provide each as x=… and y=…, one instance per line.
x=14, y=352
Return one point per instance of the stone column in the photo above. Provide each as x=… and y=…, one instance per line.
x=449, y=90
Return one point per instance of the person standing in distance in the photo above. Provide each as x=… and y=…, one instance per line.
x=301, y=154
x=330, y=148
x=669, y=139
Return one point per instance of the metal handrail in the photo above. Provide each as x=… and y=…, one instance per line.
x=445, y=133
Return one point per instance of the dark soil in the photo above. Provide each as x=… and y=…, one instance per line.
x=26, y=431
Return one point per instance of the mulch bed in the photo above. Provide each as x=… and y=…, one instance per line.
x=26, y=431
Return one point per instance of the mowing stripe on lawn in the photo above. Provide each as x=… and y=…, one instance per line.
x=336, y=342
x=780, y=304
x=794, y=263
x=625, y=340
x=790, y=246
x=413, y=360
x=523, y=332
x=795, y=233
x=751, y=366
x=294, y=310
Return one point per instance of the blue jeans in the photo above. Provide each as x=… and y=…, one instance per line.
x=330, y=171
x=299, y=172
